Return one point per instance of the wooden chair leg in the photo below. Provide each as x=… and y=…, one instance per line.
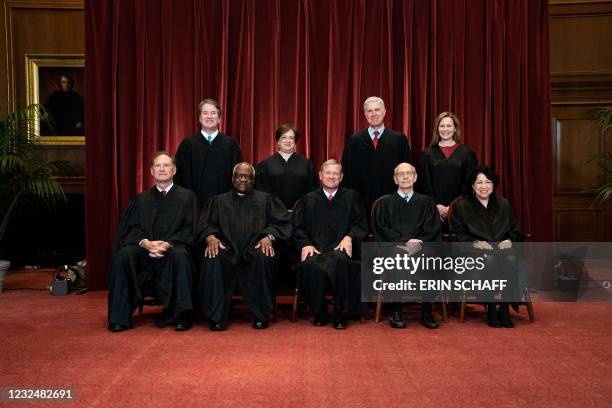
x=294, y=306
x=462, y=308
x=530, y=311
x=444, y=312
x=378, y=307
x=529, y=305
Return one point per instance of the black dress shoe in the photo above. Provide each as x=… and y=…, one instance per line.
x=504, y=316
x=429, y=321
x=320, y=320
x=397, y=321
x=260, y=324
x=340, y=322
x=116, y=327
x=183, y=323
x=215, y=326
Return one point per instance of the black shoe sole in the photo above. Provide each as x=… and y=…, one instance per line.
x=397, y=325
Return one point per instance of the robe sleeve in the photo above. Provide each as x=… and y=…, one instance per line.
x=347, y=163
x=236, y=156
x=514, y=233
x=383, y=227
x=279, y=220
x=300, y=228
x=182, y=159
x=458, y=224
x=424, y=179
x=129, y=230
x=261, y=178
x=186, y=234
x=359, y=221
x=431, y=226
x=208, y=223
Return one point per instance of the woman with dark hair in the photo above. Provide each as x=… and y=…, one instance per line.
x=286, y=174
x=446, y=164
x=488, y=222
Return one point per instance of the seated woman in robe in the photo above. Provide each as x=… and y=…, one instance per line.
x=488, y=221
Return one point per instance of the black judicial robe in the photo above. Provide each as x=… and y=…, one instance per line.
x=288, y=180
x=240, y=222
x=369, y=171
x=396, y=220
x=172, y=218
x=444, y=179
x=206, y=168
x=471, y=221
x=323, y=223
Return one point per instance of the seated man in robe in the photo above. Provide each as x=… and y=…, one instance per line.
x=238, y=230
x=152, y=251
x=411, y=218
x=328, y=223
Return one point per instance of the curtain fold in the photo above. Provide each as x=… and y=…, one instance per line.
x=312, y=63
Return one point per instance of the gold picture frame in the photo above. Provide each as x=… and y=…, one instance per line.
x=43, y=73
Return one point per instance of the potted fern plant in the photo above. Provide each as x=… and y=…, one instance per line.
x=26, y=179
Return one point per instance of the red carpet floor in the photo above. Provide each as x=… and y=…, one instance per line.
x=563, y=360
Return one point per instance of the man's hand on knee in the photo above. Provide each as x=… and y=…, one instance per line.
x=213, y=245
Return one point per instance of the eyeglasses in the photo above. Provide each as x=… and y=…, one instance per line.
x=243, y=176
x=405, y=173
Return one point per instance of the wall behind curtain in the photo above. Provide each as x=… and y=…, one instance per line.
x=312, y=63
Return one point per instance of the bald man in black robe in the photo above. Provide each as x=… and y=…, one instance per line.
x=152, y=251
x=205, y=159
x=238, y=230
x=409, y=218
x=329, y=225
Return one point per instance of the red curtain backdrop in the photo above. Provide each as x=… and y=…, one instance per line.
x=312, y=63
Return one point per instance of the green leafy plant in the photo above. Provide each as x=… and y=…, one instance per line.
x=25, y=177
x=603, y=115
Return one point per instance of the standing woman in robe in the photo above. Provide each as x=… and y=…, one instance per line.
x=286, y=174
x=488, y=222
x=446, y=164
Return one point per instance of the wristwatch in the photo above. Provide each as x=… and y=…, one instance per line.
x=271, y=237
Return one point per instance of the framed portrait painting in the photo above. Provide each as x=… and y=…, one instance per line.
x=57, y=83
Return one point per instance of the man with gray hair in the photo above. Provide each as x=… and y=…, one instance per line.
x=152, y=254
x=204, y=160
x=370, y=156
x=237, y=230
x=328, y=226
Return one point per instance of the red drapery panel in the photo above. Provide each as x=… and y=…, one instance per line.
x=312, y=63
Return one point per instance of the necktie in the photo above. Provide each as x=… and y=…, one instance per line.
x=407, y=198
x=375, y=140
x=330, y=197
x=163, y=193
x=209, y=138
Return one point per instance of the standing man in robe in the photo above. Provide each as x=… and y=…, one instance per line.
x=410, y=218
x=329, y=225
x=205, y=159
x=370, y=156
x=152, y=251
x=238, y=230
